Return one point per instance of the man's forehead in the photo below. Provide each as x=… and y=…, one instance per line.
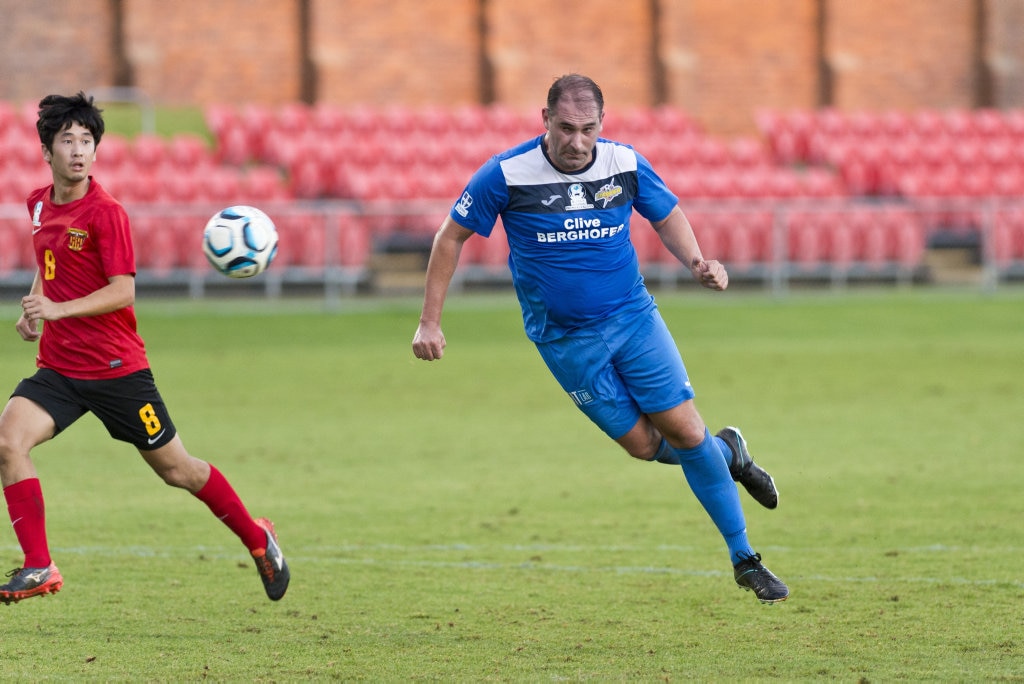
x=577, y=107
x=75, y=128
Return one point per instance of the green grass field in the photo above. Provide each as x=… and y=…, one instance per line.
x=461, y=521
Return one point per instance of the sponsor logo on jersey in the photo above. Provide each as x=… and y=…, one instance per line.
x=578, y=198
x=607, y=193
x=36, y=212
x=581, y=229
x=581, y=397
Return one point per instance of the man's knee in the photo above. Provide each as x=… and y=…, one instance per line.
x=682, y=426
x=642, y=441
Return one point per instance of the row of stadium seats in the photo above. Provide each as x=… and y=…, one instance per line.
x=841, y=236
x=401, y=122
x=399, y=153
x=146, y=169
x=797, y=136
x=938, y=164
x=307, y=241
x=395, y=153
x=977, y=153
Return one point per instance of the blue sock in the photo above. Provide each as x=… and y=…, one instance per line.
x=666, y=454
x=726, y=451
x=708, y=476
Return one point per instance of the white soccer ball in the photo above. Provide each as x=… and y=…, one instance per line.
x=240, y=241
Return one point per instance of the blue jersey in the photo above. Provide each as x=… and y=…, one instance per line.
x=571, y=258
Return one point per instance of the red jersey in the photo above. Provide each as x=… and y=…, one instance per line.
x=79, y=246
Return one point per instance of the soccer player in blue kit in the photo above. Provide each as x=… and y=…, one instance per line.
x=565, y=199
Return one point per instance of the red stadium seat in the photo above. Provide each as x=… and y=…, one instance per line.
x=301, y=240
x=712, y=153
x=187, y=230
x=8, y=114
x=877, y=241
x=187, y=151
x=21, y=149
x=327, y=119
x=908, y=239
x=927, y=123
x=753, y=182
x=894, y=125
x=746, y=153
x=181, y=187
x=645, y=241
x=263, y=184
x=220, y=118
x=223, y=185
x=819, y=183
x=148, y=149
x=156, y=248
x=137, y=184
x=787, y=134
x=844, y=233
x=718, y=183
x=292, y=118
x=782, y=184
x=989, y=123
x=710, y=229
x=807, y=238
x=749, y=240
x=1008, y=181
x=16, y=183
x=671, y=120
x=397, y=119
x=11, y=236
x=112, y=152
x=999, y=151
x=310, y=179
x=235, y=146
x=354, y=243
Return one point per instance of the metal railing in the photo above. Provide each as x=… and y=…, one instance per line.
x=333, y=247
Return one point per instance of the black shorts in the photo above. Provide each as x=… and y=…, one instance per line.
x=129, y=407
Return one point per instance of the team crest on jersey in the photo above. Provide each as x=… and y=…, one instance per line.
x=76, y=238
x=607, y=193
x=578, y=197
x=465, y=202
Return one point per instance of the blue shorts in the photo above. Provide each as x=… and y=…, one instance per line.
x=618, y=370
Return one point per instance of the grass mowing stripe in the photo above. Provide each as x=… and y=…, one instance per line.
x=460, y=520
x=408, y=557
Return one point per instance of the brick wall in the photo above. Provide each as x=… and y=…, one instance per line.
x=54, y=46
x=719, y=59
x=917, y=53
x=533, y=43
x=405, y=51
x=727, y=58
x=223, y=51
x=1004, y=53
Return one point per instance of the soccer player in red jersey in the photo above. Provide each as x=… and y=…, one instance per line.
x=92, y=359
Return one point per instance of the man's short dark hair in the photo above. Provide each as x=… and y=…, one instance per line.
x=58, y=112
x=578, y=88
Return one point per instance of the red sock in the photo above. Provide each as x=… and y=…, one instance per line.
x=28, y=517
x=221, y=498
